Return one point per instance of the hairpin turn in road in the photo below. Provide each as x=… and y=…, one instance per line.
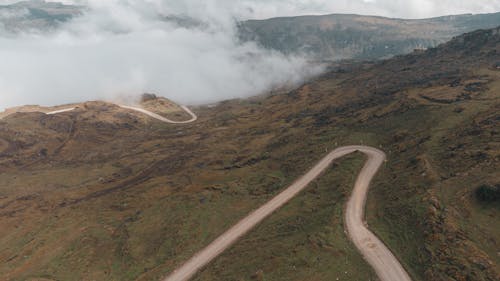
x=373, y=250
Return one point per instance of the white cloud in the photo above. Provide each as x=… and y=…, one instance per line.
x=121, y=47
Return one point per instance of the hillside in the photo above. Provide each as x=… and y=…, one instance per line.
x=101, y=193
x=338, y=36
x=159, y=105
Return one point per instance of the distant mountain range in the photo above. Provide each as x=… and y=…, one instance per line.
x=333, y=37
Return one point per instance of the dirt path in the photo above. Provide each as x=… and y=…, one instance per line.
x=375, y=252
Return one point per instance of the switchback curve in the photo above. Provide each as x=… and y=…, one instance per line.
x=144, y=111
x=374, y=251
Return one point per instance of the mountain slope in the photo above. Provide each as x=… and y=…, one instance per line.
x=103, y=194
x=338, y=36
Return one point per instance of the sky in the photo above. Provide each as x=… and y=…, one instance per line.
x=276, y=8
x=120, y=48
x=387, y=8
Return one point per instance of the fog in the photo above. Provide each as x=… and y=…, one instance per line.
x=125, y=48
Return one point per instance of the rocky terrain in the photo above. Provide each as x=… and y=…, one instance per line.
x=102, y=193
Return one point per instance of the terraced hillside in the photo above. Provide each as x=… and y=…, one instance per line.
x=101, y=193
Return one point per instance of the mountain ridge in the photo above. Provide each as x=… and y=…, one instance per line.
x=350, y=36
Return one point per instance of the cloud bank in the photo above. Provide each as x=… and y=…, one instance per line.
x=124, y=48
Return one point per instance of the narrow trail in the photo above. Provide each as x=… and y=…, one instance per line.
x=374, y=251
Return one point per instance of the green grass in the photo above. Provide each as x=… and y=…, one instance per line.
x=203, y=184
x=305, y=240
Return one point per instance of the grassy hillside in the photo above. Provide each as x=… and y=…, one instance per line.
x=105, y=194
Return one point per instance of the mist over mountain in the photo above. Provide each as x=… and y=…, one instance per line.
x=140, y=137
x=196, y=52
x=326, y=37
x=116, y=49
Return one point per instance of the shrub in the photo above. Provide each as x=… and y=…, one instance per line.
x=488, y=193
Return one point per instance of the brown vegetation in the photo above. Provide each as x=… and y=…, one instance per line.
x=101, y=193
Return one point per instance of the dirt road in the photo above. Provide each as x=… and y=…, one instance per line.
x=375, y=252
x=60, y=111
x=161, y=118
x=385, y=264
x=144, y=111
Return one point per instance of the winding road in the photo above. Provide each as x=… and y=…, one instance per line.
x=141, y=110
x=374, y=251
x=383, y=261
x=161, y=118
x=144, y=111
